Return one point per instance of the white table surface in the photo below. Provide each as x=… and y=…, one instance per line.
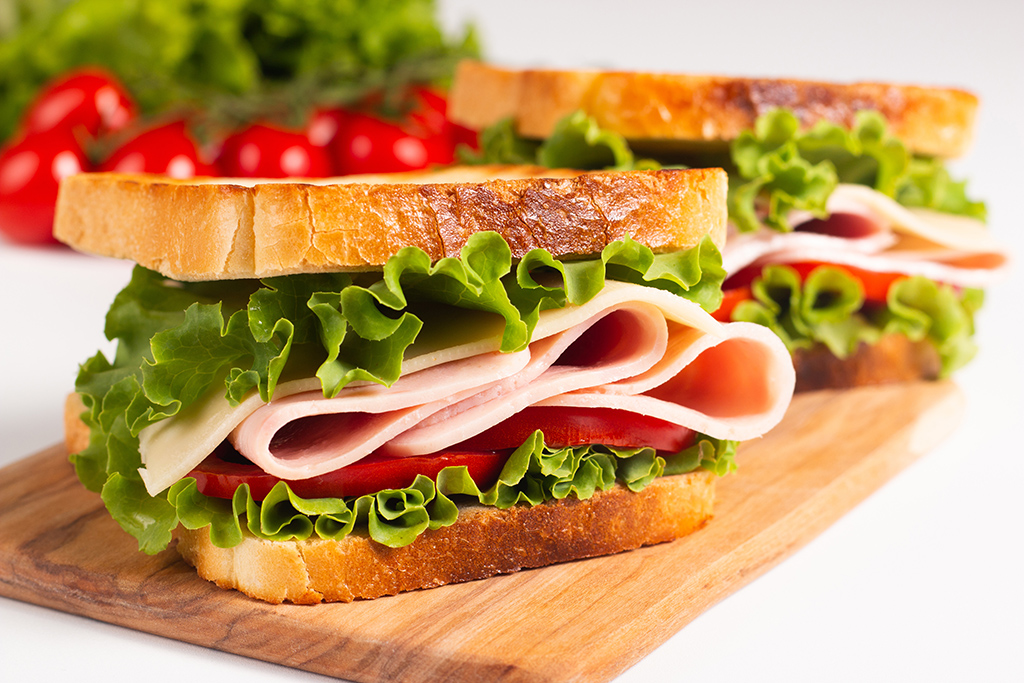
x=922, y=582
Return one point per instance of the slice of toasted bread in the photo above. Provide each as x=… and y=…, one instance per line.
x=893, y=358
x=483, y=542
x=673, y=113
x=207, y=229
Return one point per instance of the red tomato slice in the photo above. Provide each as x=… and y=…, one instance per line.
x=262, y=151
x=876, y=285
x=485, y=454
x=730, y=299
x=218, y=476
x=30, y=172
x=571, y=426
x=90, y=99
x=166, y=150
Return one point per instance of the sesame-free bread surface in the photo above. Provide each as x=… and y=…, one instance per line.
x=674, y=113
x=483, y=542
x=206, y=229
x=893, y=358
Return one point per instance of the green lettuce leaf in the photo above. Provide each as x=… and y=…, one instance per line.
x=929, y=185
x=533, y=474
x=576, y=142
x=500, y=144
x=780, y=168
x=775, y=168
x=179, y=341
x=827, y=308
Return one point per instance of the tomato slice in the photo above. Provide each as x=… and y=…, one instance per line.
x=876, y=285
x=224, y=471
x=730, y=299
x=571, y=426
x=484, y=455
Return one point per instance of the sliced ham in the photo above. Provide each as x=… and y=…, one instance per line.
x=634, y=353
x=639, y=333
x=890, y=238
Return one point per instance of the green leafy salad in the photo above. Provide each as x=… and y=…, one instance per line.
x=177, y=342
x=237, y=60
x=774, y=168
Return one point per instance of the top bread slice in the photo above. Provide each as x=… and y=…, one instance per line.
x=667, y=114
x=218, y=229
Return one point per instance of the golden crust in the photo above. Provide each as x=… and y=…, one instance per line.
x=483, y=542
x=665, y=110
x=206, y=230
x=76, y=434
x=894, y=358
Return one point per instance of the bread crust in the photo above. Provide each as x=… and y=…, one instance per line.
x=483, y=542
x=205, y=230
x=76, y=433
x=665, y=111
x=894, y=358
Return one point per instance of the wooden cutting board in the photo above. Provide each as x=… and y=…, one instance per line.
x=58, y=548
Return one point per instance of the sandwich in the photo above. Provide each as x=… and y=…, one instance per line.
x=348, y=388
x=847, y=235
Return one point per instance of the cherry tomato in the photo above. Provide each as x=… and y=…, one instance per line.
x=30, y=172
x=325, y=124
x=430, y=111
x=219, y=475
x=431, y=114
x=90, y=99
x=571, y=426
x=167, y=150
x=369, y=144
x=262, y=151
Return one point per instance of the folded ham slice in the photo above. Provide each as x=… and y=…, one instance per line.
x=631, y=348
x=878, y=234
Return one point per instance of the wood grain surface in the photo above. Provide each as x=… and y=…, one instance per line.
x=58, y=548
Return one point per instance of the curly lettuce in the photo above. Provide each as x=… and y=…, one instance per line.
x=178, y=341
x=828, y=308
x=780, y=167
x=533, y=474
x=577, y=141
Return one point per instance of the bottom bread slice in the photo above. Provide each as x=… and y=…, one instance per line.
x=483, y=542
x=894, y=358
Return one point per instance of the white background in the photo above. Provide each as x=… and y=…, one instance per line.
x=922, y=582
